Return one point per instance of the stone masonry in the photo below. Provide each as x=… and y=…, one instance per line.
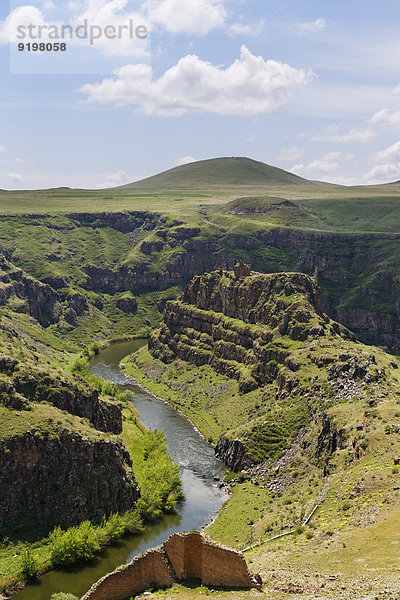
x=183, y=556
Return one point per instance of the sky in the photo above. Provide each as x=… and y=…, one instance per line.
x=311, y=86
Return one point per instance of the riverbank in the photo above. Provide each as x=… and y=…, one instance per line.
x=196, y=461
x=20, y=537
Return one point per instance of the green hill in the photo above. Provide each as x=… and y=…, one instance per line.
x=220, y=171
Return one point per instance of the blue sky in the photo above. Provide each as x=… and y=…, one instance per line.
x=310, y=86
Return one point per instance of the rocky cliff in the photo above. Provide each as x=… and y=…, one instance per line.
x=234, y=323
x=291, y=362
x=56, y=464
x=63, y=478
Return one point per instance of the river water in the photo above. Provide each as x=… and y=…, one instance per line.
x=198, y=467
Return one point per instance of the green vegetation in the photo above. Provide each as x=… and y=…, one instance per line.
x=29, y=566
x=82, y=543
x=79, y=282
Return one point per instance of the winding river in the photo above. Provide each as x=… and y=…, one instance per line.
x=198, y=467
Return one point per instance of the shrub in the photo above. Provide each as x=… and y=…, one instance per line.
x=128, y=396
x=95, y=347
x=133, y=521
x=79, y=543
x=114, y=527
x=29, y=567
x=299, y=529
x=309, y=535
x=346, y=505
x=63, y=596
x=79, y=366
x=162, y=487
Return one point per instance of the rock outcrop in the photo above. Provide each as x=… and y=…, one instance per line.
x=64, y=478
x=269, y=332
x=230, y=323
x=73, y=395
x=37, y=299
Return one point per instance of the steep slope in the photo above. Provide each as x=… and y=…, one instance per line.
x=220, y=171
x=306, y=416
x=59, y=462
x=269, y=333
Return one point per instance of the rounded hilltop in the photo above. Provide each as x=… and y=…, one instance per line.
x=220, y=171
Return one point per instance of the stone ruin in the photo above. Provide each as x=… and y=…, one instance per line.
x=183, y=556
x=241, y=269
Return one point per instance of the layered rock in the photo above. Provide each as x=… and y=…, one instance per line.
x=73, y=396
x=234, y=324
x=38, y=299
x=63, y=479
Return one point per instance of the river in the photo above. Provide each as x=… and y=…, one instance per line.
x=198, y=467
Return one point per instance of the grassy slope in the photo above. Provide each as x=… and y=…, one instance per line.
x=347, y=548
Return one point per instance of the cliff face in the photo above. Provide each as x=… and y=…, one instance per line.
x=56, y=465
x=65, y=479
x=230, y=323
x=37, y=299
x=358, y=274
x=77, y=399
x=290, y=359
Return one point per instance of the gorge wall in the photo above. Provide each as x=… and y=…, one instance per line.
x=228, y=322
x=358, y=273
x=59, y=461
x=64, y=479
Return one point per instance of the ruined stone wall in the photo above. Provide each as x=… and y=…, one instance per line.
x=183, y=556
x=146, y=570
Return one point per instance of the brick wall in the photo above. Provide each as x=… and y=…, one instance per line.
x=183, y=556
x=150, y=568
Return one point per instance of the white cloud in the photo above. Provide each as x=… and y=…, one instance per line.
x=98, y=14
x=185, y=160
x=15, y=177
x=311, y=26
x=21, y=16
x=315, y=168
x=252, y=138
x=2, y=149
x=19, y=161
x=74, y=5
x=247, y=29
x=386, y=118
x=389, y=154
x=191, y=17
x=119, y=177
x=48, y=5
x=104, y=13
x=354, y=135
x=290, y=154
x=386, y=173
x=331, y=156
x=250, y=86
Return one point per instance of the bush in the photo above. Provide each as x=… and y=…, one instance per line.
x=162, y=485
x=76, y=544
x=114, y=527
x=79, y=366
x=63, y=596
x=95, y=347
x=128, y=396
x=29, y=567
